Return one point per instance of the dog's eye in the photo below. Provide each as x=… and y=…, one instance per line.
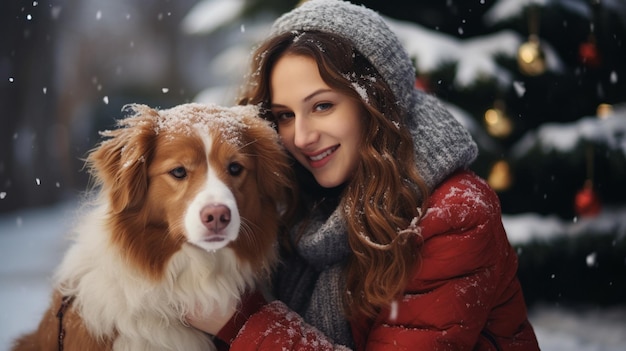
x=235, y=169
x=179, y=172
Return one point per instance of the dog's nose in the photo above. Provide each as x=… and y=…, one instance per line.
x=215, y=217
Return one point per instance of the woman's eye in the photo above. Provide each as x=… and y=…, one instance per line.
x=283, y=116
x=323, y=106
x=235, y=169
x=179, y=172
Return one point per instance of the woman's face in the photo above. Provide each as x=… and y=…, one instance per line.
x=319, y=126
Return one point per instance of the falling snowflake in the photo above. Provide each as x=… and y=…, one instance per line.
x=592, y=259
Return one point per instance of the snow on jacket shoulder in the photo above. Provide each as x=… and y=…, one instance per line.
x=464, y=295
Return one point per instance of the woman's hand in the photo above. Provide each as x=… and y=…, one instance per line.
x=226, y=325
x=214, y=322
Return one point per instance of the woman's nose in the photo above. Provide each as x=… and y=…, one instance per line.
x=305, y=133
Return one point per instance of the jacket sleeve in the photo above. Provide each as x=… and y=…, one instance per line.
x=276, y=327
x=466, y=264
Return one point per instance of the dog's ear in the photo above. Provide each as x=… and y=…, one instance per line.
x=120, y=164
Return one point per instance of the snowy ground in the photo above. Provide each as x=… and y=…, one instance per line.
x=33, y=242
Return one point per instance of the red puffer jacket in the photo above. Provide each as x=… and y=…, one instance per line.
x=464, y=296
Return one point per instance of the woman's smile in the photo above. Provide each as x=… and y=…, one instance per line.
x=315, y=159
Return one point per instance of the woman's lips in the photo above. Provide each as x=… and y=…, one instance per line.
x=320, y=159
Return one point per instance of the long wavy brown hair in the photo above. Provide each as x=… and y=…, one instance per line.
x=386, y=194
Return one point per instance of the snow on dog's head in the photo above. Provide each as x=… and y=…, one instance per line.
x=206, y=175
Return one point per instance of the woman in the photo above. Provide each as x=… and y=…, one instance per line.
x=396, y=245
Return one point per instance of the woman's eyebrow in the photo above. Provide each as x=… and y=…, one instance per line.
x=306, y=99
x=317, y=92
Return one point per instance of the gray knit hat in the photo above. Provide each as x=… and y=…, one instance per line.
x=442, y=145
x=367, y=32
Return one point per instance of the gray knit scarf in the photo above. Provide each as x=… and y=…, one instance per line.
x=311, y=281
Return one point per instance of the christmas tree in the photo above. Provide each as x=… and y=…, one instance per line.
x=531, y=76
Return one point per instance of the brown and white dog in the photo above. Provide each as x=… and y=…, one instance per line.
x=187, y=217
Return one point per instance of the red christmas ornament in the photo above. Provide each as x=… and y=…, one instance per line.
x=587, y=202
x=421, y=83
x=589, y=55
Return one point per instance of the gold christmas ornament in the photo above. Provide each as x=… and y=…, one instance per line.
x=500, y=178
x=604, y=110
x=530, y=57
x=498, y=123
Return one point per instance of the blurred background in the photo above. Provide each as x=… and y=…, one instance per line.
x=541, y=85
